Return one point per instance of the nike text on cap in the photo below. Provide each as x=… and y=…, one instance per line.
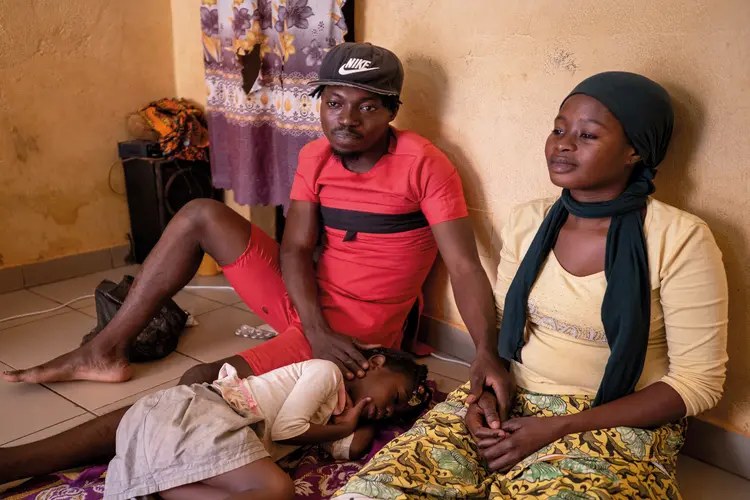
x=364, y=66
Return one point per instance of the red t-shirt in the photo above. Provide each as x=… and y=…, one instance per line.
x=369, y=285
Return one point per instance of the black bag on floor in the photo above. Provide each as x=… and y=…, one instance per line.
x=160, y=336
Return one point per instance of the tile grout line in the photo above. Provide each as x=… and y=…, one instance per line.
x=65, y=398
x=31, y=290
x=68, y=310
x=93, y=412
x=48, y=427
x=189, y=292
x=189, y=356
x=197, y=295
x=85, y=410
x=221, y=306
x=241, y=309
x=40, y=317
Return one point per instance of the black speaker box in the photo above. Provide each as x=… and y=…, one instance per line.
x=156, y=189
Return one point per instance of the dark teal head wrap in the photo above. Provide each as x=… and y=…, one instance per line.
x=642, y=107
x=644, y=110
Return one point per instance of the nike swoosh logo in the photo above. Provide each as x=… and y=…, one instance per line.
x=343, y=71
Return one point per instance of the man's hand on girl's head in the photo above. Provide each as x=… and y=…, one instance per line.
x=341, y=350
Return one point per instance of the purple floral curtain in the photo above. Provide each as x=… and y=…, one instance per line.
x=256, y=136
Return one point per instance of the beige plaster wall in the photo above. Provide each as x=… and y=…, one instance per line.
x=484, y=79
x=70, y=72
x=188, y=50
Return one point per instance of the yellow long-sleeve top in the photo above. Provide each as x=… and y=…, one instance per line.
x=566, y=348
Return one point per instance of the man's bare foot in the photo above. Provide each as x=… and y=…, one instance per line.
x=81, y=364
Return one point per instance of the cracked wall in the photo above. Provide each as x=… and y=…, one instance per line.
x=70, y=73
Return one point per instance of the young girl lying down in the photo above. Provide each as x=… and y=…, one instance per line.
x=222, y=440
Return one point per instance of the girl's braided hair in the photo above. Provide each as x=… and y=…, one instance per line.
x=405, y=364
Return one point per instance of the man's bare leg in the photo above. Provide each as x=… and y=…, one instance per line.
x=201, y=226
x=91, y=442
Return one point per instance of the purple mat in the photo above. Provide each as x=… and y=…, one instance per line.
x=316, y=475
x=78, y=484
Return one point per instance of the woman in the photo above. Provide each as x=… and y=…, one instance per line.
x=613, y=320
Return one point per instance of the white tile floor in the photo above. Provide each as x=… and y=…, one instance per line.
x=32, y=412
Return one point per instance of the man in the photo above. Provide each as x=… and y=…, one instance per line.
x=388, y=200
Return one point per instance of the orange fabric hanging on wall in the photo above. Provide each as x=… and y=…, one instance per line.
x=181, y=126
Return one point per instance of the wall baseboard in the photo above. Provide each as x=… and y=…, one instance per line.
x=447, y=338
x=705, y=441
x=72, y=266
x=719, y=447
x=11, y=279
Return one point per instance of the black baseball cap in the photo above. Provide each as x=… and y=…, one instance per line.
x=364, y=66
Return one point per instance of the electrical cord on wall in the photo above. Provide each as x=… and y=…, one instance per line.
x=189, y=287
x=109, y=175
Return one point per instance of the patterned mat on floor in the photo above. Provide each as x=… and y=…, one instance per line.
x=316, y=475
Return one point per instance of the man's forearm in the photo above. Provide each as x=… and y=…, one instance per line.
x=473, y=295
x=299, y=278
x=653, y=406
